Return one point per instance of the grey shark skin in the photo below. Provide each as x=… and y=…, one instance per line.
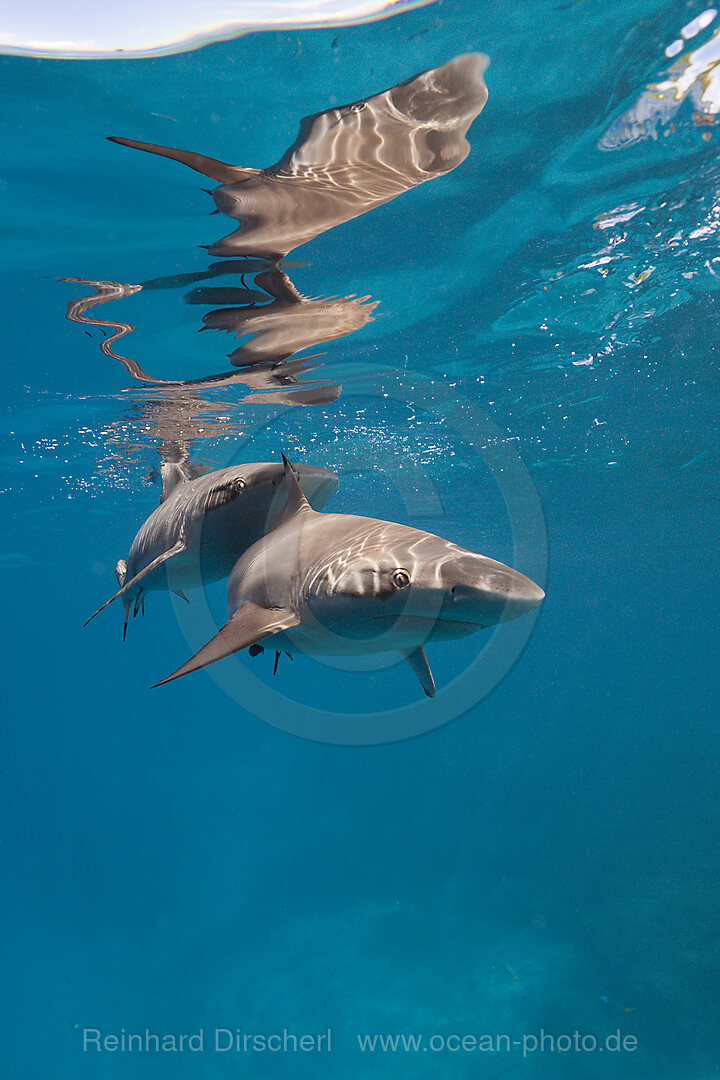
x=345, y=161
x=333, y=584
x=203, y=525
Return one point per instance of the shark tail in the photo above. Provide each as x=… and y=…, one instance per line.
x=121, y=575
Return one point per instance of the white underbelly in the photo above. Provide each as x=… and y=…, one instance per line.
x=316, y=639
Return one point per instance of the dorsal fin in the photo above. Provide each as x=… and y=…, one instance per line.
x=216, y=170
x=297, y=503
x=172, y=474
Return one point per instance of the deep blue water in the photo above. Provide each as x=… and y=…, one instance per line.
x=545, y=340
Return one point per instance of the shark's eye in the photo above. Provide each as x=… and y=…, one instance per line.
x=239, y=483
x=358, y=106
x=400, y=579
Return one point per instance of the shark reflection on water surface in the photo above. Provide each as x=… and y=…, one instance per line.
x=268, y=370
x=345, y=161
x=172, y=415
x=289, y=324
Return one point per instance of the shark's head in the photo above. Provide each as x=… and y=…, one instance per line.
x=483, y=591
x=445, y=98
x=225, y=512
x=249, y=497
x=405, y=582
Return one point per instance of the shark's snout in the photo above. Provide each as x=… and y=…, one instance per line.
x=488, y=592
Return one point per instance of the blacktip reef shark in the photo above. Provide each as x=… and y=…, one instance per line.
x=333, y=584
x=345, y=161
x=204, y=524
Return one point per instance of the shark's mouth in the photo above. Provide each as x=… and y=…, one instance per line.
x=426, y=625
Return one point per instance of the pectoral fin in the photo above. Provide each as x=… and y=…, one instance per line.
x=417, y=660
x=216, y=170
x=250, y=624
x=174, y=550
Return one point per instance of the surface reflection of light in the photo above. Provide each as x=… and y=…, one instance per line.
x=86, y=29
x=694, y=75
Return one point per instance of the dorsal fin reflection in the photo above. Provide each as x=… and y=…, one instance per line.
x=290, y=323
x=173, y=414
x=270, y=357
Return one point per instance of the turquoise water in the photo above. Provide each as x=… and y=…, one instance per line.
x=538, y=383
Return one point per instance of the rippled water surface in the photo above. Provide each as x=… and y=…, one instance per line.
x=496, y=321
